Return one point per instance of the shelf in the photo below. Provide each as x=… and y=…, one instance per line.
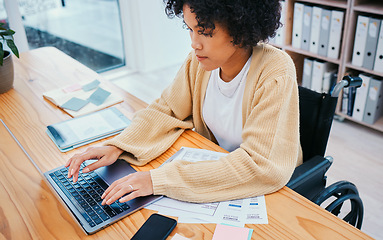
x=331, y=3
x=378, y=125
x=361, y=69
x=370, y=8
x=310, y=54
x=351, y=9
x=277, y=45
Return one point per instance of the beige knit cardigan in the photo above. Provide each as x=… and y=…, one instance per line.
x=262, y=164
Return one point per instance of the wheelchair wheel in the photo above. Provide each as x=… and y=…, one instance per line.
x=336, y=195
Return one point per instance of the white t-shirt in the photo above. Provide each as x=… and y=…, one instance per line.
x=222, y=107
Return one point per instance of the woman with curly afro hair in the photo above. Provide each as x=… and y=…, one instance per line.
x=233, y=89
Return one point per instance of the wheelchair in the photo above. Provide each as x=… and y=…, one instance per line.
x=317, y=111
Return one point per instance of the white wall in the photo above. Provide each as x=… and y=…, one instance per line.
x=14, y=18
x=155, y=41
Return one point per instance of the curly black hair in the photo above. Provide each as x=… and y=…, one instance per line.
x=247, y=21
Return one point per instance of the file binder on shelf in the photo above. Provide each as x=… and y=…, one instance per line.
x=324, y=32
x=361, y=98
x=344, y=109
x=351, y=100
x=335, y=35
x=371, y=43
x=297, y=25
x=307, y=72
x=315, y=30
x=306, y=28
x=329, y=80
x=281, y=32
x=349, y=44
x=378, y=65
x=272, y=40
x=318, y=72
x=373, y=109
x=360, y=40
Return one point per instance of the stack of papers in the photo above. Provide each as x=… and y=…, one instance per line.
x=83, y=98
x=235, y=212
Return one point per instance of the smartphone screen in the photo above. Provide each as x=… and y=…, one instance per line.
x=156, y=227
x=91, y=126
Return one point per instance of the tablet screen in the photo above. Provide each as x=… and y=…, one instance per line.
x=91, y=126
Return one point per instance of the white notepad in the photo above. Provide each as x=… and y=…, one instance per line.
x=62, y=95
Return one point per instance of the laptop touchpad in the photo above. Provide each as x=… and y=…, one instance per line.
x=115, y=171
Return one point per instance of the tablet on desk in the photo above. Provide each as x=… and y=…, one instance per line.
x=85, y=129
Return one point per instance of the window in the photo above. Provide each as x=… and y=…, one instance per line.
x=3, y=13
x=125, y=35
x=87, y=30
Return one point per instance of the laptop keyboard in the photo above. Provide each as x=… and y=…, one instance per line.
x=87, y=193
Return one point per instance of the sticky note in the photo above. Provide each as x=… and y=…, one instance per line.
x=72, y=88
x=74, y=104
x=227, y=232
x=90, y=86
x=99, y=96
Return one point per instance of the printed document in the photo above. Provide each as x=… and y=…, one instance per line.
x=235, y=212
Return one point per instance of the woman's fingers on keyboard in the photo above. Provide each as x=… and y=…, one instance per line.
x=76, y=160
x=105, y=155
x=75, y=177
x=74, y=166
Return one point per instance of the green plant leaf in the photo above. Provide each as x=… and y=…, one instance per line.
x=13, y=47
x=8, y=32
x=1, y=54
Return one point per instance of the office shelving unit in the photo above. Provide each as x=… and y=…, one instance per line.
x=352, y=9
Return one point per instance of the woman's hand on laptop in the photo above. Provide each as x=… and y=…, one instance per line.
x=129, y=187
x=105, y=155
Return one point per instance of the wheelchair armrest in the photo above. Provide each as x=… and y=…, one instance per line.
x=309, y=178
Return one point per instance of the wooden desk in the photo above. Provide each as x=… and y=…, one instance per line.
x=29, y=210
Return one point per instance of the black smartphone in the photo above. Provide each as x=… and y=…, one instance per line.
x=156, y=227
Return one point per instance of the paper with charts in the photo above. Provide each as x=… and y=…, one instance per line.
x=236, y=212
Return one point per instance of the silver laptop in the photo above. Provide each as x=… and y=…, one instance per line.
x=83, y=198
